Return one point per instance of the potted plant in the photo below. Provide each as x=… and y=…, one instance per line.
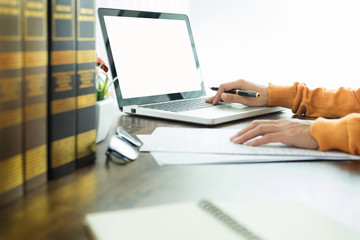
x=104, y=108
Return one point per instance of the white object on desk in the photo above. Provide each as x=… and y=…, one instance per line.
x=175, y=158
x=189, y=221
x=215, y=145
x=104, y=112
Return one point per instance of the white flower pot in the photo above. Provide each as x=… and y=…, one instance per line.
x=104, y=111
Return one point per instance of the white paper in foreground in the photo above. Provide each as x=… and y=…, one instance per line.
x=175, y=158
x=205, y=140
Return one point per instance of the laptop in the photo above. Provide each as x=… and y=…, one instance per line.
x=154, y=58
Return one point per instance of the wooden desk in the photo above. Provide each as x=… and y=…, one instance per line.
x=56, y=210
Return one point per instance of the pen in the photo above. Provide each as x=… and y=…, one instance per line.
x=240, y=92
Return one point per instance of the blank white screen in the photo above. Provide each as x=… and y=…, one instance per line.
x=152, y=56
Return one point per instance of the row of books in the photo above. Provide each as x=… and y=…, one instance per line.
x=47, y=92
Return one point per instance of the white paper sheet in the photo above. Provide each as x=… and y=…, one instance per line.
x=205, y=140
x=175, y=158
x=211, y=146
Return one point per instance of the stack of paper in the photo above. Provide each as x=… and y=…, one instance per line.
x=209, y=146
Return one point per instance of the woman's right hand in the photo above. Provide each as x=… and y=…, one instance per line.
x=242, y=85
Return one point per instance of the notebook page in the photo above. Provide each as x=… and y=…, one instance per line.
x=288, y=220
x=265, y=220
x=173, y=221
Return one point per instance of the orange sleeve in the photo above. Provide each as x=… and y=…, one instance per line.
x=318, y=102
x=341, y=134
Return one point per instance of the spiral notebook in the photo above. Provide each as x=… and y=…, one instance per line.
x=206, y=220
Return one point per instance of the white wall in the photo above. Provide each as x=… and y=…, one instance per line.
x=279, y=41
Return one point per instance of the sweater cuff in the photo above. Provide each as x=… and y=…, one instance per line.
x=282, y=96
x=330, y=134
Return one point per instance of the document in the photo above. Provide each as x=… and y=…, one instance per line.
x=175, y=158
x=207, y=145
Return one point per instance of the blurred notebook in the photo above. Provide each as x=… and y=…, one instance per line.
x=205, y=220
x=153, y=55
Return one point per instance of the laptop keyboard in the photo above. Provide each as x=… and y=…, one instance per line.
x=180, y=105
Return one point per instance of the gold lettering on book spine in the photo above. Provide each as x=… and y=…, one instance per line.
x=86, y=78
x=62, y=57
x=85, y=56
x=34, y=5
x=11, y=118
x=63, y=105
x=35, y=111
x=87, y=100
x=11, y=3
x=35, y=161
x=11, y=173
x=62, y=151
x=10, y=11
x=62, y=8
x=86, y=11
x=11, y=60
x=63, y=81
x=9, y=89
x=35, y=59
x=87, y=18
x=84, y=143
x=35, y=85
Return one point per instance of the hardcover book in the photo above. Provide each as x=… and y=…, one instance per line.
x=11, y=61
x=35, y=92
x=61, y=88
x=85, y=82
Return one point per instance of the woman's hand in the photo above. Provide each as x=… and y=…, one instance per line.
x=290, y=132
x=243, y=85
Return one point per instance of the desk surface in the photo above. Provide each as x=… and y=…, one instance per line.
x=56, y=210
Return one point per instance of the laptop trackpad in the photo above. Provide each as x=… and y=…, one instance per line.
x=221, y=111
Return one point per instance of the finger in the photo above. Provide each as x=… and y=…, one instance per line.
x=259, y=130
x=222, y=88
x=210, y=99
x=268, y=138
x=216, y=99
x=238, y=84
x=252, y=125
x=233, y=98
x=242, y=131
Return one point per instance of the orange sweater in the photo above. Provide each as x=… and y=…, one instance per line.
x=342, y=133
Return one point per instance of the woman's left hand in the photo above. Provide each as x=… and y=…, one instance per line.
x=291, y=132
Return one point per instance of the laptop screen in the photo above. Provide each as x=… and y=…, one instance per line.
x=152, y=54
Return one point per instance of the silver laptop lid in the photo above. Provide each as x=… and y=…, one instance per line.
x=152, y=54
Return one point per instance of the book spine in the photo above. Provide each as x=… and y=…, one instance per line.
x=35, y=92
x=11, y=62
x=61, y=88
x=85, y=82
